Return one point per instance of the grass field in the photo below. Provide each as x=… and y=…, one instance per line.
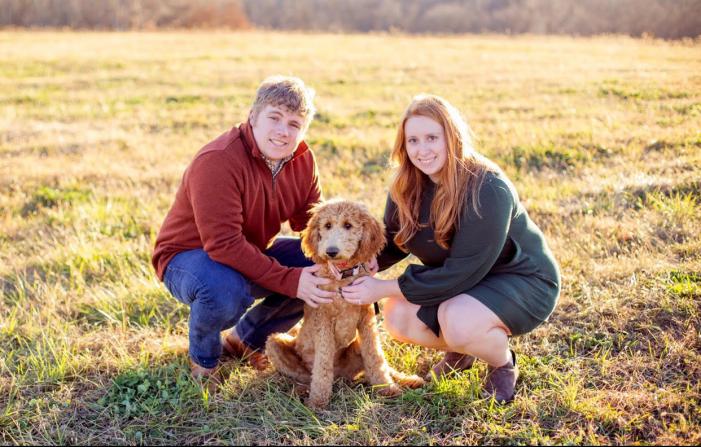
x=601, y=136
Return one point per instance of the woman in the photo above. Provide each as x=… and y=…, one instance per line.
x=487, y=271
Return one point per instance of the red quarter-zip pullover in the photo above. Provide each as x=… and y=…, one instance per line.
x=229, y=204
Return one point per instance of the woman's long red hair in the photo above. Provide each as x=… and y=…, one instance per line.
x=461, y=177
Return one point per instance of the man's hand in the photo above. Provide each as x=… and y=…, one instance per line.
x=308, y=291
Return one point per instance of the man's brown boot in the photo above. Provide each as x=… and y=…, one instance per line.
x=208, y=377
x=234, y=347
x=451, y=361
x=501, y=381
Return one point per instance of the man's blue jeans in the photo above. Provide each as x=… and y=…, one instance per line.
x=218, y=296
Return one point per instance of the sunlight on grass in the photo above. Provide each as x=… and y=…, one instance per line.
x=677, y=207
x=52, y=360
x=602, y=146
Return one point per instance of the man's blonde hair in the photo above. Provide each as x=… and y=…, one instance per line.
x=287, y=91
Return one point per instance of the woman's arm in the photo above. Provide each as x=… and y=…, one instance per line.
x=367, y=290
x=474, y=249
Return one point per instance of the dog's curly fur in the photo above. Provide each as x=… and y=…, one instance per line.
x=338, y=339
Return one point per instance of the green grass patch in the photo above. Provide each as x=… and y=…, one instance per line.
x=693, y=109
x=25, y=100
x=130, y=307
x=151, y=392
x=49, y=360
x=548, y=156
x=672, y=146
x=376, y=165
x=592, y=342
x=80, y=267
x=676, y=204
x=374, y=118
x=685, y=284
x=50, y=197
x=448, y=396
x=628, y=93
x=184, y=99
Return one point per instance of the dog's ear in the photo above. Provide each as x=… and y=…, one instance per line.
x=373, y=238
x=311, y=236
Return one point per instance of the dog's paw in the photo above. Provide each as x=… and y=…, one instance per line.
x=411, y=381
x=389, y=390
x=316, y=403
x=300, y=389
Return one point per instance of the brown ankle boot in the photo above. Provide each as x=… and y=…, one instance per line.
x=235, y=348
x=208, y=377
x=501, y=381
x=451, y=361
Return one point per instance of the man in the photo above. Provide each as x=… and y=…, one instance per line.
x=213, y=251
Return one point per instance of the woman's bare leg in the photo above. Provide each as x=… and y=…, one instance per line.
x=467, y=326
x=401, y=322
x=470, y=327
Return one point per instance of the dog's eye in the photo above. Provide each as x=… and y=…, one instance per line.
x=327, y=225
x=347, y=226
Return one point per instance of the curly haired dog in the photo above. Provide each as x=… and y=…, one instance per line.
x=338, y=339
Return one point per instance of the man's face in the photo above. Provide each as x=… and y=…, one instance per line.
x=277, y=131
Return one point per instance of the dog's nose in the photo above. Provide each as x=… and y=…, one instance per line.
x=332, y=251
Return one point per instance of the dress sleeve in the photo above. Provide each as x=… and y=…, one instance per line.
x=475, y=248
x=391, y=254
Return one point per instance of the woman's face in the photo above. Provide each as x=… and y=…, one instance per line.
x=426, y=145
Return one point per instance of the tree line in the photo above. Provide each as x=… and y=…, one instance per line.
x=123, y=14
x=671, y=19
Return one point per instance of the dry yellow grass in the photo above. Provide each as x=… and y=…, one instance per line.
x=601, y=137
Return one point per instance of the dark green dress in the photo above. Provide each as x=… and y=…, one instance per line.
x=500, y=258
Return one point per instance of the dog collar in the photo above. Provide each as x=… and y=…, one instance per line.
x=353, y=271
x=347, y=273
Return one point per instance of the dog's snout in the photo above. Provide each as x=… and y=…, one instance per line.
x=332, y=251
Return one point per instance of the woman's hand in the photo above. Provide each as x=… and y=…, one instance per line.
x=372, y=266
x=364, y=290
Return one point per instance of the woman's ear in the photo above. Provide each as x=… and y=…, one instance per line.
x=373, y=238
x=310, y=238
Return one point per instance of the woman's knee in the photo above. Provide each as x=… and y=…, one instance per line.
x=466, y=322
x=403, y=325
x=459, y=326
x=395, y=314
x=453, y=330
